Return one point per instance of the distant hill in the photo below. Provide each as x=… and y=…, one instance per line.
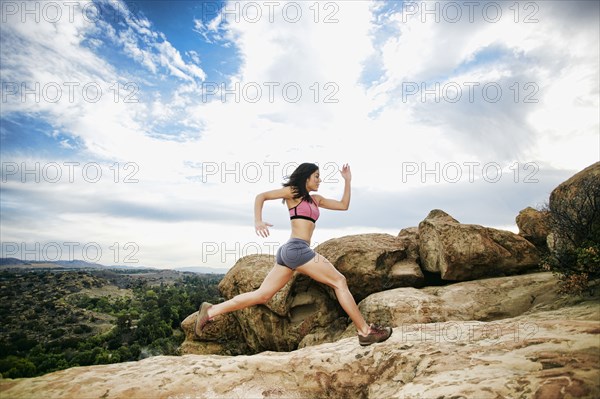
x=14, y=263
x=203, y=270
x=79, y=264
x=66, y=264
x=11, y=261
x=127, y=267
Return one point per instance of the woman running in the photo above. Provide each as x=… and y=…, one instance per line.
x=296, y=255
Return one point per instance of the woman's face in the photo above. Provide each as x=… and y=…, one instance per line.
x=312, y=184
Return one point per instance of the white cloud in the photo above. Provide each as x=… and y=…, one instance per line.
x=537, y=59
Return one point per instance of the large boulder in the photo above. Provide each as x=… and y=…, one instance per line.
x=301, y=313
x=575, y=202
x=410, y=238
x=573, y=188
x=533, y=226
x=223, y=336
x=467, y=251
x=373, y=262
x=223, y=327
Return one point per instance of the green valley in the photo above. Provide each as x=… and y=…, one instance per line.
x=53, y=319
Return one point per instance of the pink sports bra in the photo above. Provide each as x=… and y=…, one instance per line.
x=305, y=210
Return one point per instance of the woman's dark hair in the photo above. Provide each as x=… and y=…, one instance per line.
x=297, y=180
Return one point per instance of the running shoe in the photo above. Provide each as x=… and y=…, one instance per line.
x=202, y=318
x=376, y=334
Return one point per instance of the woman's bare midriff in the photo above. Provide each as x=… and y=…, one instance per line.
x=302, y=229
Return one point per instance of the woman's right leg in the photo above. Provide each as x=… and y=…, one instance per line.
x=321, y=270
x=275, y=280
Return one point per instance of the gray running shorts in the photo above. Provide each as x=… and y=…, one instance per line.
x=294, y=253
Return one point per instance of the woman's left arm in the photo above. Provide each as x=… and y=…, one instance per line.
x=344, y=203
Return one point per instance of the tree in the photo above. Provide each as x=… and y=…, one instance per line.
x=16, y=367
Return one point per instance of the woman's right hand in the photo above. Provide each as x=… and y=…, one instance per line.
x=262, y=228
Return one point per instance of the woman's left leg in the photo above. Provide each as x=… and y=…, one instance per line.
x=273, y=282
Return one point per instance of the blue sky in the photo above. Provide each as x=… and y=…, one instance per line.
x=139, y=132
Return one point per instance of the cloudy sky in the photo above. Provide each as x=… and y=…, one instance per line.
x=140, y=132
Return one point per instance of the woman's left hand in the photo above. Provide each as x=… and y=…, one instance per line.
x=345, y=172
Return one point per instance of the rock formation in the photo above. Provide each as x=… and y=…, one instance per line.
x=473, y=300
x=221, y=337
x=571, y=190
x=533, y=226
x=575, y=201
x=410, y=238
x=372, y=262
x=466, y=251
x=303, y=310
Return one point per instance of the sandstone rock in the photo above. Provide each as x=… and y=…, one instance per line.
x=570, y=187
x=576, y=199
x=410, y=237
x=225, y=326
x=545, y=354
x=311, y=311
x=481, y=300
x=467, y=251
x=321, y=335
x=533, y=226
x=223, y=336
x=225, y=348
x=262, y=327
x=372, y=262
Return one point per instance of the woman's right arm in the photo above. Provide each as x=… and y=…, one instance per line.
x=262, y=228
